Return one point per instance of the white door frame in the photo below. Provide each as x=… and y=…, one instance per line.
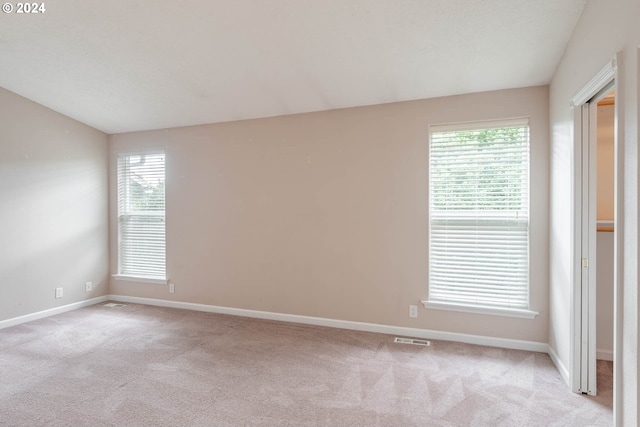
x=582, y=375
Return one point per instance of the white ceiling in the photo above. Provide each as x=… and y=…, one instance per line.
x=123, y=65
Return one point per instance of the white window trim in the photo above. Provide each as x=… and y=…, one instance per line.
x=486, y=124
x=525, y=313
x=124, y=277
x=127, y=277
x=508, y=312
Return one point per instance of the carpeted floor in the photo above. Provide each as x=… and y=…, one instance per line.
x=148, y=366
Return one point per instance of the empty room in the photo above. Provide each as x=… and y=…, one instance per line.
x=319, y=213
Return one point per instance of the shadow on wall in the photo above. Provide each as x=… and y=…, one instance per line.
x=55, y=217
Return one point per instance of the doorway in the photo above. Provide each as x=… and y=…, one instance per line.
x=591, y=278
x=605, y=240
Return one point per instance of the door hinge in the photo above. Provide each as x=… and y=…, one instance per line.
x=585, y=262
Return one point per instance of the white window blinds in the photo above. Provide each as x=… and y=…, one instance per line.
x=479, y=214
x=141, y=208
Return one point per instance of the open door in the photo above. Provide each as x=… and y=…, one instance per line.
x=583, y=371
x=588, y=253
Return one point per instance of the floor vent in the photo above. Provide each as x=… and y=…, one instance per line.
x=113, y=305
x=412, y=341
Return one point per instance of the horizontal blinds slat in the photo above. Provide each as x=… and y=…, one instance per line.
x=479, y=214
x=488, y=124
x=142, y=254
x=511, y=288
x=480, y=279
x=511, y=300
x=490, y=265
x=490, y=240
x=514, y=157
x=141, y=206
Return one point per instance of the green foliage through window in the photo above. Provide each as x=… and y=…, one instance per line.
x=484, y=169
x=141, y=214
x=479, y=215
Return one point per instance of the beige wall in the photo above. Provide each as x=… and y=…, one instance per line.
x=325, y=214
x=604, y=244
x=605, y=241
x=53, y=208
x=605, y=156
x=604, y=29
x=604, y=295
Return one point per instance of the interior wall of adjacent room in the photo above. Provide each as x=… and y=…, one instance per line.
x=604, y=29
x=53, y=208
x=326, y=214
x=604, y=239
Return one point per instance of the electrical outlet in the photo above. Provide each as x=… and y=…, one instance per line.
x=172, y=288
x=413, y=311
x=58, y=292
x=88, y=286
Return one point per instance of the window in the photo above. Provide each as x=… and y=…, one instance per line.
x=479, y=217
x=141, y=225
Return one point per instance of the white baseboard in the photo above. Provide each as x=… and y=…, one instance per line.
x=564, y=372
x=343, y=324
x=604, y=354
x=50, y=312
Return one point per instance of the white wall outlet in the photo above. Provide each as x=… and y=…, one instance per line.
x=88, y=286
x=172, y=288
x=58, y=292
x=413, y=311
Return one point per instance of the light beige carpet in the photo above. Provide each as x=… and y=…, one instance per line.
x=149, y=366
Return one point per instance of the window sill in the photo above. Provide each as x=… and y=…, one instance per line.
x=154, y=280
x=508, y=312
